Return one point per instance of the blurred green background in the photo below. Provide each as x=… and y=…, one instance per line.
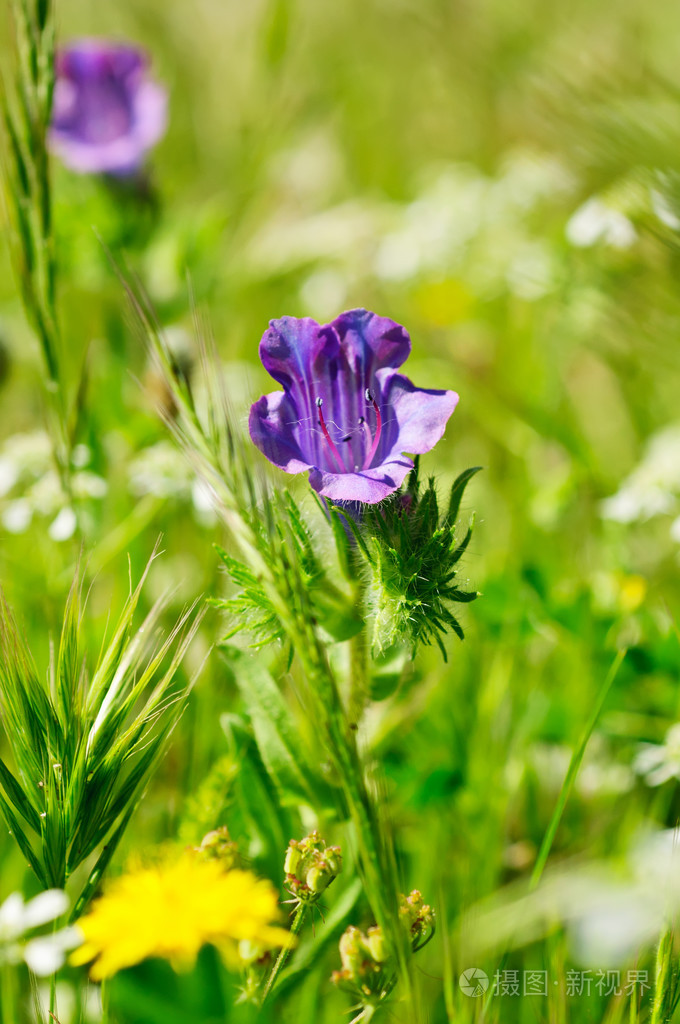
x=504, y=180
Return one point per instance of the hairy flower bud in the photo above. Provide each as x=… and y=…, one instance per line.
x=351, y=947
x=293, y=858
x=310, y=867
x=374, y=943
x=217, y=845
x=417, y=916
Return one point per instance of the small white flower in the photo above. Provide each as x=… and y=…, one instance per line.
x=659, y=762
x=43, y=954
x=17, y=516
x=596, y=222
x=663, y=210
x=64, y=526
x=46, y=954
x=653, y=488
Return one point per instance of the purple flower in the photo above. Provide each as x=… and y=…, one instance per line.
x=106, y=111
x=345, y=413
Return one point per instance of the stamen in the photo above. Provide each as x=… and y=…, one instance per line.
x=367, y=433
x=322, y=423
x=378, y=430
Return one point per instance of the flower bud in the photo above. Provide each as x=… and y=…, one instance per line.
x=374, y=943
x=293, y=858
x=418, y=917
x=333, y=859
x=351, y=952
x=217, y=845
x=310, y=867
x=318, y=878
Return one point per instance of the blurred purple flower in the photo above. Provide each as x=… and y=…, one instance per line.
x=106, y=111
x=345, y=414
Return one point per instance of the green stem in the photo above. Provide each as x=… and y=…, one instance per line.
x=358, y=668
x=565, y=791
x=28, y=187
x=572, y=772
x=666, y=980
x=53, y=996
x=7, y=995
x=104, y=995
x=282, y=958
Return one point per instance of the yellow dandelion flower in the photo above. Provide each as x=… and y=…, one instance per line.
x=172, y=909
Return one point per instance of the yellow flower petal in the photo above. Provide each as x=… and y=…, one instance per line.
x=172, y=909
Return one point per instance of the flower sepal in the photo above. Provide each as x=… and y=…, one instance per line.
x=412, y=553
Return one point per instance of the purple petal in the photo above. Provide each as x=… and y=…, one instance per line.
x=271, y=426
x=92, y=58
x=346, y=414
x=369, y=486
x=418, y=415
x=106, y=112
x=370, y=342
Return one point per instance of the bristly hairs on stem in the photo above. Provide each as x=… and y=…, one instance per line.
x=26, y=109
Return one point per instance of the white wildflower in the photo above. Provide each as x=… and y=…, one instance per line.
x=653, y=487
x=596, y=222
x=659, y=762
x=43, y=954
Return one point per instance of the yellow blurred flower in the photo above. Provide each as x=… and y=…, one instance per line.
x=632, y=593
x=172, y=909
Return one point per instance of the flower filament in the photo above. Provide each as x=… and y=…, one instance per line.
x=371, y=441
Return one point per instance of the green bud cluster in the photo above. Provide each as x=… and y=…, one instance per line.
x=362, y=956
x=310, y=866
x=418, y=917
x=367, y=971
x=217, y=845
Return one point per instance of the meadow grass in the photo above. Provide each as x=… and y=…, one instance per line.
x=504, y=180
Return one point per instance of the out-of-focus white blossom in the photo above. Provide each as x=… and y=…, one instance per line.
x=44, y=954
x=663, y=210
x=479, y=229
x=612, y=911
x=161, y=470
x=595, y=222
x=599, y=775
x=659, y=762
x=30, y=485
x=653, y=488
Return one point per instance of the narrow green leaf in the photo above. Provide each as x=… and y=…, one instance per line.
x=457, y=490
x=18, y=798
x=22, y=841
x=278, y=740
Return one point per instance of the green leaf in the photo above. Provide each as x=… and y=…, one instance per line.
x=17, y=796
x=23, y=842
x=278, y=739
x=457, y=490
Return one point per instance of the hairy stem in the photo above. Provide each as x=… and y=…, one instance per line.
x=27, y=117
x=282, y=958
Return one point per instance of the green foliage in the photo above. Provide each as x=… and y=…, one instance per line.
x=252, y=610
x=431, y=166
x=85, y=743
x=279, y=741
x=412, y=554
